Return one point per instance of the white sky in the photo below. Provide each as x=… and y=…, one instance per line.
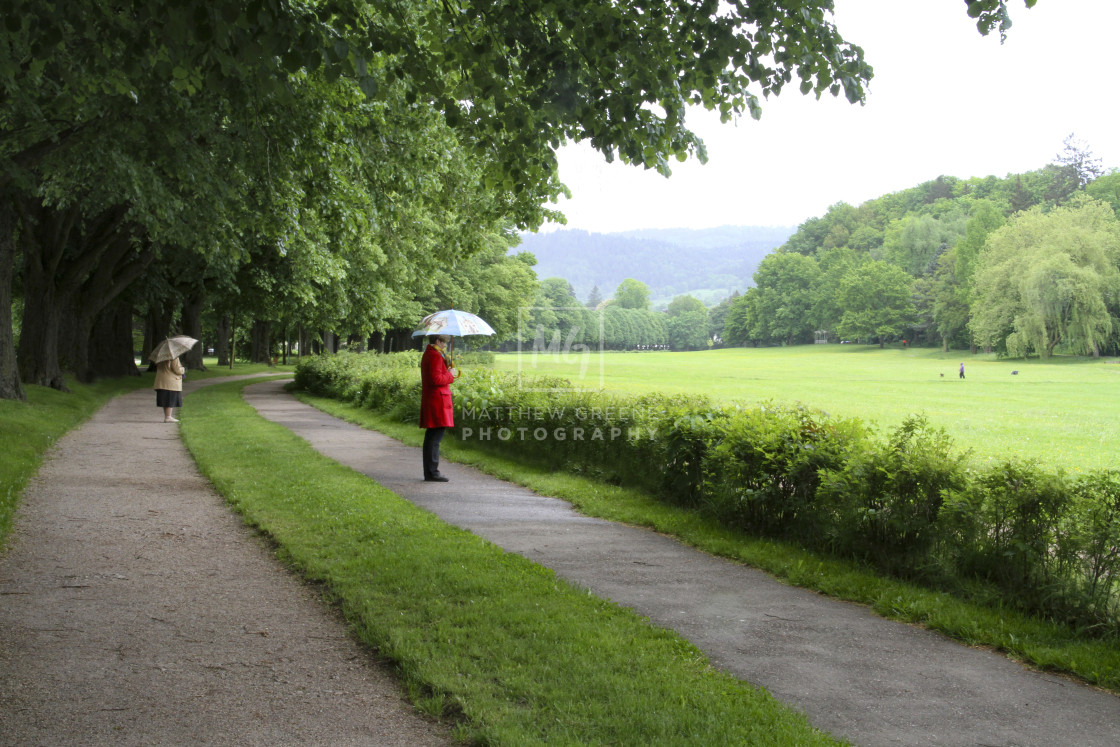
x=944, y=100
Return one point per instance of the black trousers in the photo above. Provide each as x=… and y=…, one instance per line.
x=432, y=437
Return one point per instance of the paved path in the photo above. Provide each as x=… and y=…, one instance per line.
x=136, y=609
x=873, y=681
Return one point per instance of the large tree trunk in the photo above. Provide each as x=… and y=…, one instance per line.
x=111, y=351
x=38, y=340
x=329, y=342
x=10, y=385
x=120, y=266
x=260, y=342
x=192, y=327
x=37, y=353
x=58, y=260
x=221, y=347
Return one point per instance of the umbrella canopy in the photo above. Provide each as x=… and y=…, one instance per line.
x=452, y=322
x=172, y=347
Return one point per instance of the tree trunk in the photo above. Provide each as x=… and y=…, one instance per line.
x=38, y=340
x=192, y=327
x=120, y=265
x=10, y=385
x=37, y=353
x=111, y=352
x=260, y=341
x=157, y=327
x=328, y=342
x=61, y=251
x=222, y=345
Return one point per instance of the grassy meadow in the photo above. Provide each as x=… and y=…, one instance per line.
x=1063, y=412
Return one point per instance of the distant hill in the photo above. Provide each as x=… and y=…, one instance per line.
x=708, y=263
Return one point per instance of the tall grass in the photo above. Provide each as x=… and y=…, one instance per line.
x=1062, y=412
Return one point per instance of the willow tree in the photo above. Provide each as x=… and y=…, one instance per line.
x=1045, y=279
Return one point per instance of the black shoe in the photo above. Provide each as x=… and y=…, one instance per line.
x=435, y=478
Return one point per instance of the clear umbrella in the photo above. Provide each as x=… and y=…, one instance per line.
x=172, y=347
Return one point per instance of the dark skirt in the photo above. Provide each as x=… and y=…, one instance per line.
x=168, y=398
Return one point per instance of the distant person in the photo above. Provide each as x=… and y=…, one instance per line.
x=962, y=370
x=436, y=411
x=169, y=387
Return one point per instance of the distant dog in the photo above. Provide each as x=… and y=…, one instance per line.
x=1014, y=373
x=942, y=375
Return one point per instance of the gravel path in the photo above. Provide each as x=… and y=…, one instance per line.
x=136, y=609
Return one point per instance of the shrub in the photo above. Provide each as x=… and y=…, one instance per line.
x=908, y=504
x=1020, y=511
x=764, y=472
x=1094, y=535
x=885, y=500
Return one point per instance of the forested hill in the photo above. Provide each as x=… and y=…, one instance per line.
x=708, y=263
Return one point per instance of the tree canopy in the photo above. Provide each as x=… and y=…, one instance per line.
x=632, y=294
x=1045, y=284
x=1050, y=278
x=319, y=163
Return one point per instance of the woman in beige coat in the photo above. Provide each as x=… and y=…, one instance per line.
x=169, y=387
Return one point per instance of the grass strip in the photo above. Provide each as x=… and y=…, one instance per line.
x=514, y=654
x=1040, y=643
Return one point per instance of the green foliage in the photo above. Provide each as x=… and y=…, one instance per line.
x=686, y=325
x=936, y=232
x=632, y=294
x=1046, y=279
x=764, y=468
x=781, y=302
x=1094, y=536
x=990, y=14
x=875, y=301
x=886, y=498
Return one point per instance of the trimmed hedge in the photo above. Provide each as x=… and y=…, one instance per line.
x=909, y=503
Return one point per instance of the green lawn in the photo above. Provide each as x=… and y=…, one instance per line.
x=1063, y=412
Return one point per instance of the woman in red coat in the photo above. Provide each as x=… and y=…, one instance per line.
x=436, y=412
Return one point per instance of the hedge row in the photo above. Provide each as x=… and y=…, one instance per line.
x=908, y=503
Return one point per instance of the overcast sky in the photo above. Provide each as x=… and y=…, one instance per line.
x=944, y=100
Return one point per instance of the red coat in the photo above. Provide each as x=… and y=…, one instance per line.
x=435, y=396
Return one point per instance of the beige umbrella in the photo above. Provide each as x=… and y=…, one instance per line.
x=172, y=347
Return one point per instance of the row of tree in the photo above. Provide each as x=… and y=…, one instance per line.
x=1024, y=265
x=558, y=322
x=339, y=166
x=335, y=166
